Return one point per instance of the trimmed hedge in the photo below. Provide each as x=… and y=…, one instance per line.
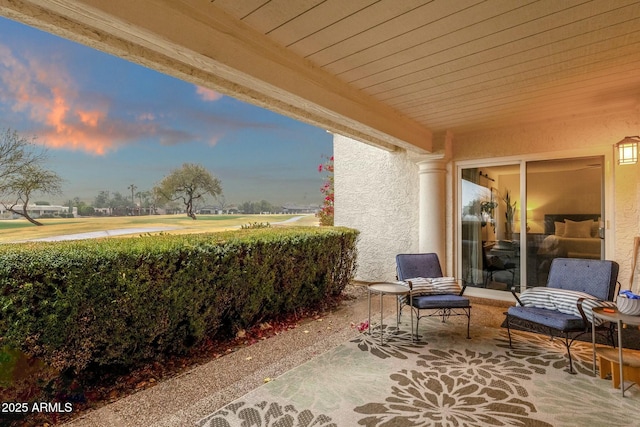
x=124, y=301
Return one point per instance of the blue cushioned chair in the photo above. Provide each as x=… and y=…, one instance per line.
x=427, y=265
x=594, y=277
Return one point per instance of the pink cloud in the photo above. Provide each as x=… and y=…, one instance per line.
x=91, y=118
x=47, y=93
x=207, y=94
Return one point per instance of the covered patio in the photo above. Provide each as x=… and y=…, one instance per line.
x=415, y=93
x=215, y=392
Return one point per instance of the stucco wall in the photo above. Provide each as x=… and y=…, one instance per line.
x=376, y=192
x=627, y=196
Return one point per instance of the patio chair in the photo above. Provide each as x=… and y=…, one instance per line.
x=563, y=307
x=436, y=297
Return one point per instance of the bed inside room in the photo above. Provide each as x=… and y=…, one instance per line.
x=568, y=236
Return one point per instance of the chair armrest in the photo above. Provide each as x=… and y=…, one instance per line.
x=410, y=285
x=464, y=286
x=581, y=310
x=513, y=292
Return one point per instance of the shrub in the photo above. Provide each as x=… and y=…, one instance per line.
x=125, y=301
x=255, y=225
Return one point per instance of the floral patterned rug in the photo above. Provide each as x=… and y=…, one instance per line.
x=443, y=380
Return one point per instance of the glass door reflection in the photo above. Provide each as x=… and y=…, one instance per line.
x=490, y=222
x=564, y=213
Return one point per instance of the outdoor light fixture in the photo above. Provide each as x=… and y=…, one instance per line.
x=628, y=150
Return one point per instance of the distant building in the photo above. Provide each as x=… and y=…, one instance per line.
x=217, y=210
x=39, y=211
x=300, y=209
x=207, y=210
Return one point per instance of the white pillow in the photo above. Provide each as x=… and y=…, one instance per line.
x=564, y=301
x=559, y=226
x=433, y=285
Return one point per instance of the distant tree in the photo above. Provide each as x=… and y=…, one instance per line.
x=266, y=207
x=133, y=188
x=22, y=174
x=156, y=200
x=257, y=207
x=31, y=179
x=102, y=200
x=222, y=202
x=83, y=208
x=119, y=204
x=16, y=153
x=144, y=198
x=190, y=183
x=86, y=210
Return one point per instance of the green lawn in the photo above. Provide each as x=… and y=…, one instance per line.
x=20, y=230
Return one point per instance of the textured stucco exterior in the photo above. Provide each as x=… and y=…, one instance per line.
x=376, y=192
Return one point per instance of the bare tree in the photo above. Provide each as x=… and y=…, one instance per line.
x=222, y=202
x=16, y=153
x=190, y=184
x=22, y=174
x=28, y=181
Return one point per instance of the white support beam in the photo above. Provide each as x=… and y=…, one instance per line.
x=197, y=42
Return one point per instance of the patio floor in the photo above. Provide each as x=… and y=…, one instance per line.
x=183, y=400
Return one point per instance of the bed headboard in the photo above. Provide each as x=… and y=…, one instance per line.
x=550, y=219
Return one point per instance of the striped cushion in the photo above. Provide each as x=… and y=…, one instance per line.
x=433, y=285
x=563, y=300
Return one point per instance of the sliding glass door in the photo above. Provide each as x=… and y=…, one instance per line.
x=504, y=246
x=564, y=213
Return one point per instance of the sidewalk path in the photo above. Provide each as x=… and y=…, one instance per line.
x=103, y=233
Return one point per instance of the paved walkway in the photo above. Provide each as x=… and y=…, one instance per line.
x=103, y=233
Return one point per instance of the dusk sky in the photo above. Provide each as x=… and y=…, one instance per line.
x=109, y=123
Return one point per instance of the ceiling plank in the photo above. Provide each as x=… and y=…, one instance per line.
x=321, y=17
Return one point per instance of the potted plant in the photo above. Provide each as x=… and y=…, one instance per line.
x=509, y=214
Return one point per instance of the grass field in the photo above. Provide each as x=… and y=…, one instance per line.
x=21, y=230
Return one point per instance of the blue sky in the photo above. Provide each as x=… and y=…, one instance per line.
x=109, y=123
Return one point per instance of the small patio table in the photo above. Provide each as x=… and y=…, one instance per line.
x=388, y=288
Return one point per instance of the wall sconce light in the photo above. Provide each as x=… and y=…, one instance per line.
x=628, y=150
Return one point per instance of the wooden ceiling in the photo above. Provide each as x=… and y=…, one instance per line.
x=466, y=64
x=387, y=72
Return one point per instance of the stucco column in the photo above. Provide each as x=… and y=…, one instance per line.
x=432, y=221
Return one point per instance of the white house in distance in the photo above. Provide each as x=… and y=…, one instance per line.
x=440, y=110
x=293, y=208
x=38, y=211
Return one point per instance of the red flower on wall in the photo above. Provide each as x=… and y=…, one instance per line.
x=326, y=213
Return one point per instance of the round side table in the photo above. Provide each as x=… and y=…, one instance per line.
x=388, y=288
